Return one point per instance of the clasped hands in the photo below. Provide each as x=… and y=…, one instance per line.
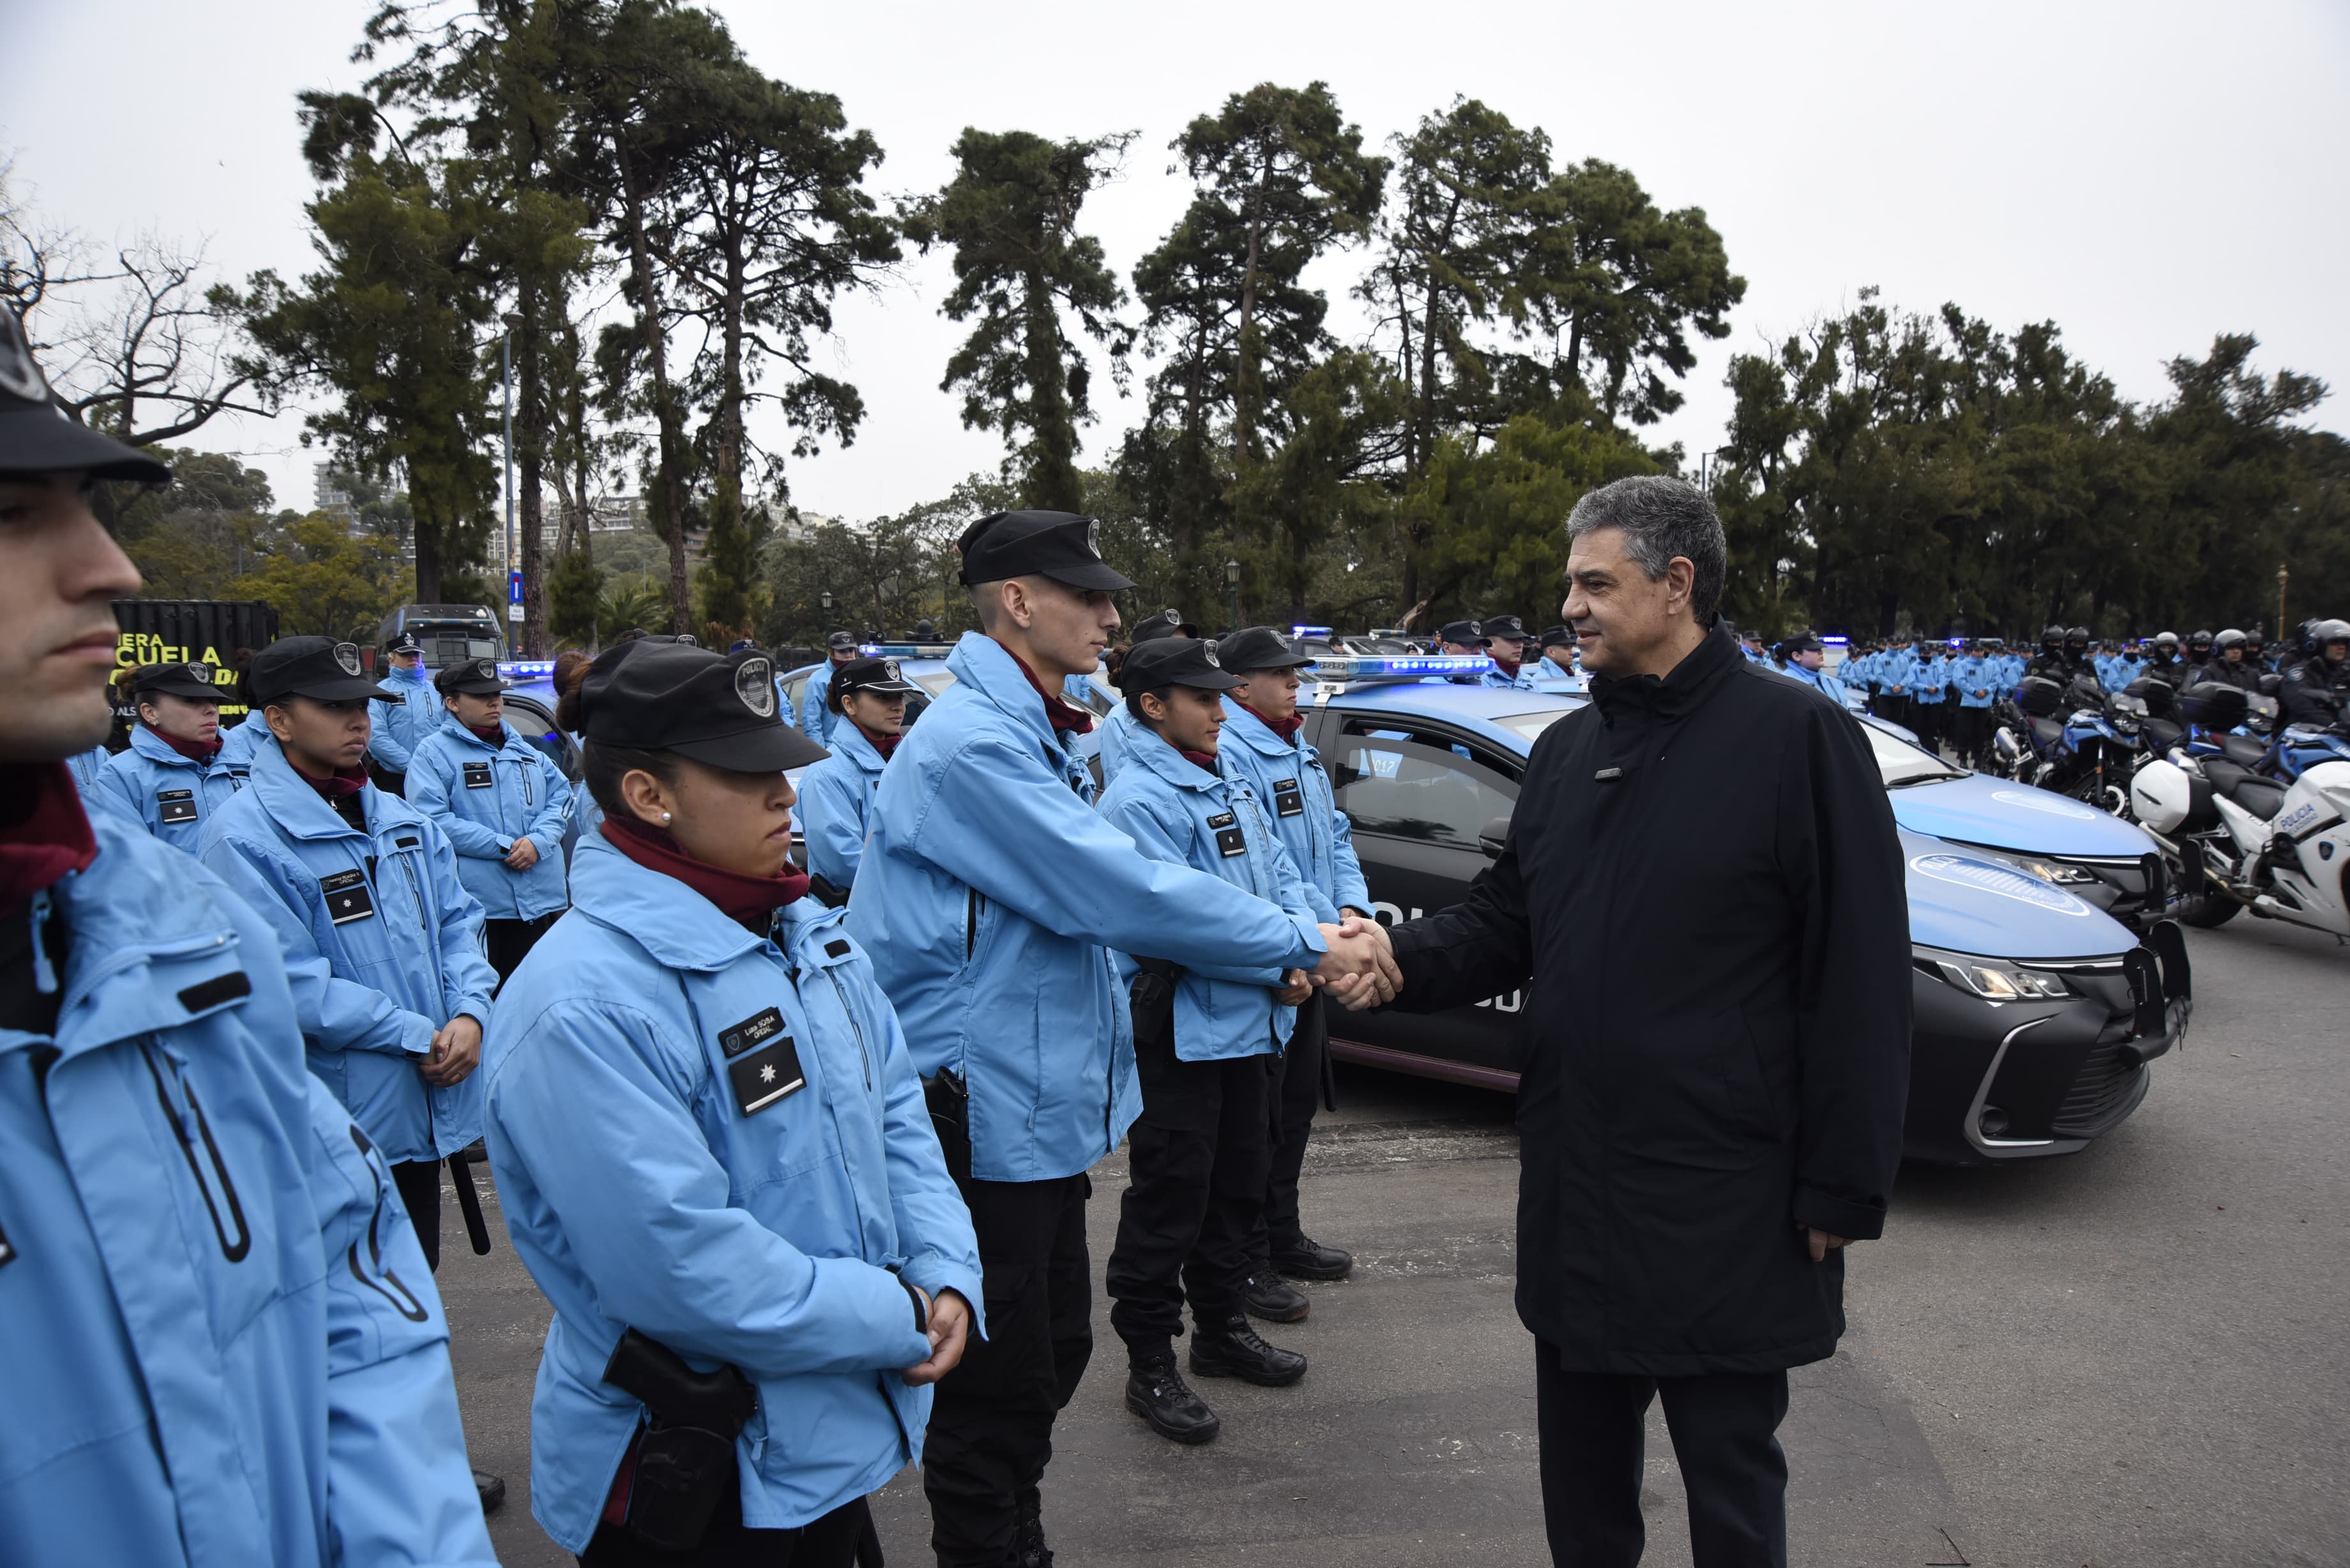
x=1359, y=969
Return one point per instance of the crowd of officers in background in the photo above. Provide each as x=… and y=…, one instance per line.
x=1945, y=690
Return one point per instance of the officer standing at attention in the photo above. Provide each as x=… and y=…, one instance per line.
x=1749, y=644
x=1976, y=674
x=401, y=721
x=1805, y=656
x=1207, y=1044
x=1929, y=693
x=1895, y=675
x=171, y=778
x=818, y=718
x=1505, y=644
x=871, y=695
x=1118, y=731
x=162, y=1155
x=1460, y=639
x=715, y=1156
x=1262, y=747
x=991, y=896
x=1557, y=661
x=503, y=805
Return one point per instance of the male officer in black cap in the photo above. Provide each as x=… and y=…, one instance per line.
x=989, y=899
x=400, y=721
x=1460, y=638
x=817, y=718
x=1557, y=661
x=1505, y=644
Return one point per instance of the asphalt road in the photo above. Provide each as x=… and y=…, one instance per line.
x=2138, y=1355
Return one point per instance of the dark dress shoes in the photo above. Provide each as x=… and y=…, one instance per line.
x=492, y=1490
x=1309, y=1260
x=1234, y=1349
x=1268, y=1296
x=1157, y=1392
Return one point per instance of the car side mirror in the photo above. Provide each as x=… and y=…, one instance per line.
x=1492, y=836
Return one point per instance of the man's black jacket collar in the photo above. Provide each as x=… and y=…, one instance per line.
x=1678, y=692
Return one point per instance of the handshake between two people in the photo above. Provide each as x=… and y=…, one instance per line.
x=1357, y=972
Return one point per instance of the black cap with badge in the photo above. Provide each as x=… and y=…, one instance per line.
x=36, y=436
x=1503, y=626
x=475, y=678
x=318, y=667
x=870, y=675
x=404, y=643
x=1255, y=648
x=1169, y=622
x=192, y=680
x=1175, y=661
x=1061, y=545
x=1462, y=634
x=720, y=710
x=841, y=642
x=1557, y=637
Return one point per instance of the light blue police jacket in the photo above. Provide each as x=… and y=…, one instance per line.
x=815, y=719
x=1522, y=681
x=991, y=896
x=836, y=796
x=245, y=741
x=641, y=1195
x=1896, y=671
x=224, y=1348
x=165, y=793
x=485, y=797
x=399, y=727
x=1820, y=680
x=1177, y=812
x=1977, y=679
x=369, y=992
x=1290, y=783
x=1930, y=683
x=1119, y=732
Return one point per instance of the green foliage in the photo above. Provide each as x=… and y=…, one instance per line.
x=323, y=580
x=573, y=591
x=1011, y=214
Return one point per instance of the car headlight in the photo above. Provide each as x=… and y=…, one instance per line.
x=2058, y=872
x=1991, y=980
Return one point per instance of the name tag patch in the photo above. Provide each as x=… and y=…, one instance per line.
x=766, y=1075
x=1230, y=841
x=1287, y=800
x=1222, y=819
x=477, y=775
x=753, y=1031
x=175, y=805
x=348, y=898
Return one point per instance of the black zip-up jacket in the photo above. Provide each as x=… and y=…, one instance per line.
x=1702, y=893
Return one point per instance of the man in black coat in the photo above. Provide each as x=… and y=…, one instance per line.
x=1702, y=893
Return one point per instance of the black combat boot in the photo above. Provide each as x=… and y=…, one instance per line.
x=1157, y=1392
x=1234, y=1349
x=1306, y=1259
x=1268, y=1296
x=1029, y=1548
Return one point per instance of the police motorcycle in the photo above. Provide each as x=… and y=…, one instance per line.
x=2089, y=755
x=2244, y=842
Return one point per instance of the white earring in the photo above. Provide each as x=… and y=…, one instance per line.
x=664, y=818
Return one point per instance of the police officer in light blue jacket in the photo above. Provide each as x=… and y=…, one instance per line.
x=171, y=778
x=401, y=721
x=1206, y=1042
x=224, y=1347
x=382, y=939
x=715, y=1156
x=503, y=805
x=818, y=719
x=1804, y=658
x=1119, y=729
x=837, y=794
x=1505, y=645
x=991, y=897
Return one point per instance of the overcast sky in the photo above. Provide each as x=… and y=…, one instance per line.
x=2146, y=174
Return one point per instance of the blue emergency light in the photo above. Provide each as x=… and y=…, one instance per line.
x=905, y=649
x=1309, y=631
x=1835, y=641
x=526, y=668
x=1399, y=667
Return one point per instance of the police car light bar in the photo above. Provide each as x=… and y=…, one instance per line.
x=526, y=668
x=1400, y=667
x=1309, y=631
x=1835, y=641
x=905, y=649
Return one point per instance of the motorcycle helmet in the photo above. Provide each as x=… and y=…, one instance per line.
x=2226, y=640
x=2166, y=645
x=2326, y=633
x=2198, y=647
x=2076, y=641
x=2253, y=643
x=2053, y=638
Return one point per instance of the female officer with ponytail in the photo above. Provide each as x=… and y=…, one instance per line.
x=714, y=1154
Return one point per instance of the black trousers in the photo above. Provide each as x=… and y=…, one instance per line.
x=1926, y=718
x=990, y=1432
x=1969, y=732
x=827, y=1543
x=1893, y=708
x=1296, y=1096
x=1592, y=1427
x=510, y=941
x=418, y=1181
x=1196, y=1188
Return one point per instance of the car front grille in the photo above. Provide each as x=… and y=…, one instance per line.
x=2103, y=1083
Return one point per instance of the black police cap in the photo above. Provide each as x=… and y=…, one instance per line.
x=1169, y=622
x=713, y=708
x=36, y=436
x=192, y=680
x=405, y=642
x=1462, y=634
x=318, y=667
x=868, y=675
x=473, y=678
x=1174, y=662
x=840, y=641
x=1559, y=637
x=1507, y=625
x=1061, y=545
x=1254, y=647
x=1803, y=642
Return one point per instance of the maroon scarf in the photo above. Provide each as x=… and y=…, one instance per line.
x=489, y=736
x=43, y=832
x=1204, y=761
x=748, y=899
x=198, y=752
x=885, y=744
x=1508, y=667
x=1285, y=728
x=1059, y=711
x=349, y=782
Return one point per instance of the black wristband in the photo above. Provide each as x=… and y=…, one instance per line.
x=922, y=1313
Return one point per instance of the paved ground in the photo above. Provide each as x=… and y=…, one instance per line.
x=2135, y=1356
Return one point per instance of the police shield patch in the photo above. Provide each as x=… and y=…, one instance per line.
x=347, y=654
x=755, y=683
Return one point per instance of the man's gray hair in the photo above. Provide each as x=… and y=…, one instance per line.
x=1661, y=518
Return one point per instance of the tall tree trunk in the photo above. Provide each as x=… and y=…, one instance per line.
x=428, y=557
x=1244, y=339
x=531, y=441
x=669, y=480
x=1052, y=482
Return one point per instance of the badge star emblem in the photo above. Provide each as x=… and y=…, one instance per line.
x=767, y=1073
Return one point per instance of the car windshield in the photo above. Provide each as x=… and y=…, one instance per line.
x=1901, y=763
x=1529, y=727
x=935, y=681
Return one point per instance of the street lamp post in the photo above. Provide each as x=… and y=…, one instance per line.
x=506, y=379
x=1232, y=583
